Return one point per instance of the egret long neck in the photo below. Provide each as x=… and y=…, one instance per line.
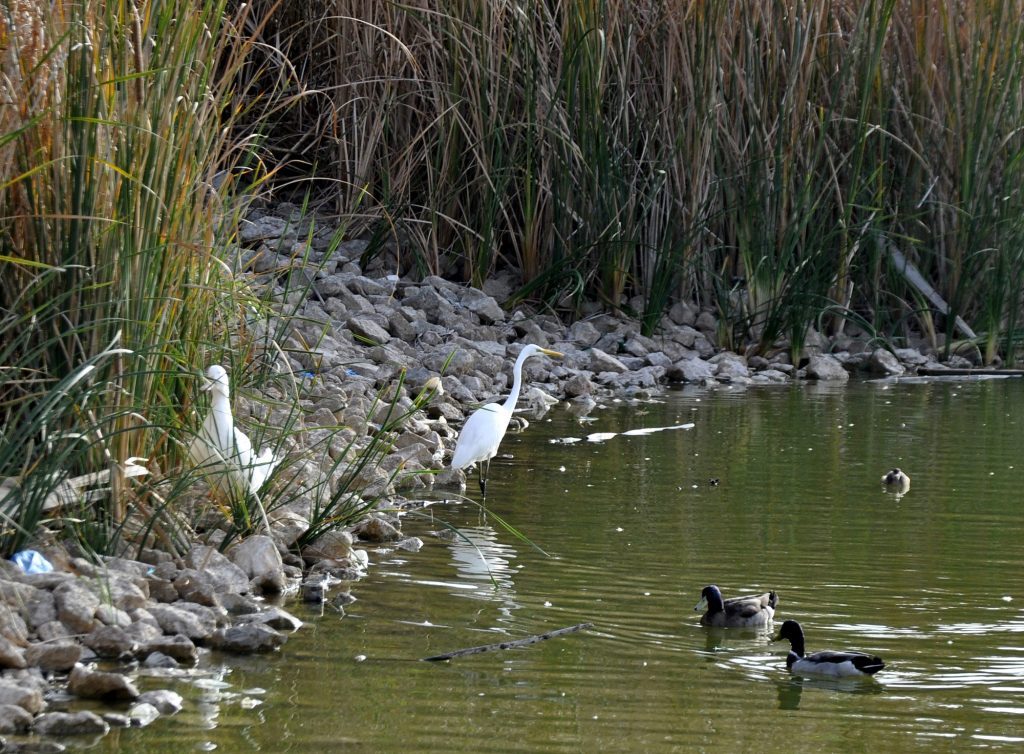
x=517, y=382
x=224, y=422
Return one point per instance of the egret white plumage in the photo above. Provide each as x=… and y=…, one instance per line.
x=222, y=450
x=484, y=429
x=826, y=663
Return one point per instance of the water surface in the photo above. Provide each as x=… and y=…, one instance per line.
x=633, y=528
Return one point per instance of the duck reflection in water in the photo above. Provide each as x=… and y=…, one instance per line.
x=791, y=688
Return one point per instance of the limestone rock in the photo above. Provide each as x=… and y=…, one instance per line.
x=174, y=620
x=111, y=641
x=247, y=639
x=259, y=557
x=826, y=368
x=96, y=684
x=29, y=699
x=691, y=370
x=226, y=575
x=70, y=724
x=377, y=530
x=884, y=363
x=142, y=714
x=76, y=606
x=14, y=719
x=165, y=701
x=274, y=617
x=11, y=655
x=58, y=656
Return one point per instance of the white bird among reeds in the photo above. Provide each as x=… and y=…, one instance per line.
x=223, y=451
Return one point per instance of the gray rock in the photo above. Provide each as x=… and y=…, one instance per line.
x=199, y=587
x=40, y=609
x=11, y=655
x=483, y=306
x=247, y=639
x=274, y=617
x=76, y=606
x=113, y=616
x=174, y=620
x=96, y=684
x=691, y=370
x=252, y=230
x=142, y=714
x=162, y=590
x=12, y=625
x=883, y=363
x=165, y=701
x=70, y=724
x=259, y=557
x=159, y=660
x=377, y=530
x=826, y=368
x=52, y=630
x=116, y=720
x=605, y=362
x=410, y=544
x=226, y=575
x=333, y=545
x=126, y=594
x=59, y=656
x=366, y=328
x=911, y=356
x=14, y=719
x=240, y=604
x=111, y=641
x=179, y=648
x=730, y=368
x=577, y=385
x=29, y=699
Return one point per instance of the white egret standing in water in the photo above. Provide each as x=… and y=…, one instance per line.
x=482, y=433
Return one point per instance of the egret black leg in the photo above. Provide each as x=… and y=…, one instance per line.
x=485, y=466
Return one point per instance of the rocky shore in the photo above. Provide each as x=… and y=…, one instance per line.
x=358, y=333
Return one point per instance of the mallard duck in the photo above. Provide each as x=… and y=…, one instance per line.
x=896, y=480
x=738, y=612
x=826, y=663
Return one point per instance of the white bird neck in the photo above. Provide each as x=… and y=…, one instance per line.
x=517, y=381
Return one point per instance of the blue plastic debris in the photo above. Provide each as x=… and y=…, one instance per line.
x=31, y=561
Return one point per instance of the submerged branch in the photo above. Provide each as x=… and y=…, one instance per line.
x=510, y=644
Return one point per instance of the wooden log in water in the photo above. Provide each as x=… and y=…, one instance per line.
x=510, y=644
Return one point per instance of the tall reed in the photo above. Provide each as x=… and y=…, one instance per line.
x=636, y=152
x=114, y=166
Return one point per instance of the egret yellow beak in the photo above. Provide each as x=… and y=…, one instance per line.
x=552, y=354
x=701, y=606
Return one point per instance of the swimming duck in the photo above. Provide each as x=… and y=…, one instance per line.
x=826, y=663
x=223, y=450
x=738, y=612
x=896, y=480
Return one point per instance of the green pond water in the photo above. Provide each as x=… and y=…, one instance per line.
x=932, y=581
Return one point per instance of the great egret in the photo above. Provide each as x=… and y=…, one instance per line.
x=738, y=612
x=224, y=451
x=482, y=433
x=831, y=664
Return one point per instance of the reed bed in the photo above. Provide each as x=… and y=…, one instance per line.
x=117, y=157
x=760, y=157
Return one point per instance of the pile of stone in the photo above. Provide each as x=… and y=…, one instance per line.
x=360, y=330
x=154, y=617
